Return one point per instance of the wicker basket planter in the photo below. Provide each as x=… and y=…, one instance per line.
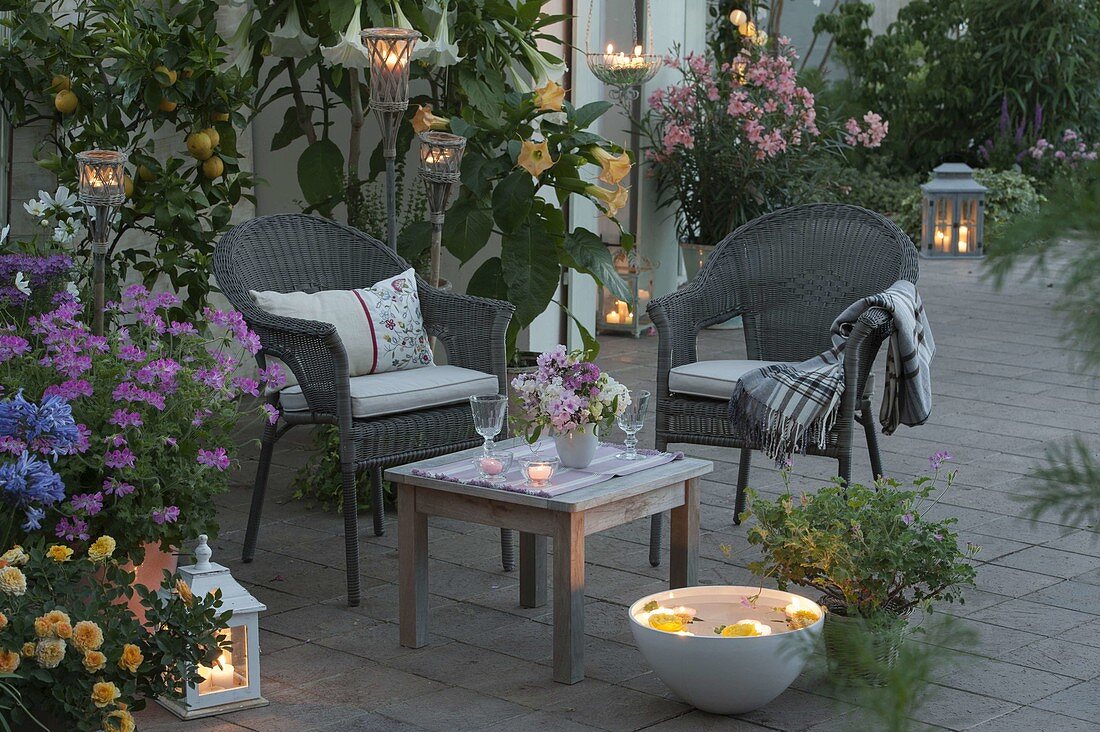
x=847, y=658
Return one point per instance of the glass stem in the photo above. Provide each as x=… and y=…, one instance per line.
x=631, y=443
x=487, y=448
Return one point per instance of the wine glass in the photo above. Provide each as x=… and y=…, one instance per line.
x=631, y=421
x=489, y=411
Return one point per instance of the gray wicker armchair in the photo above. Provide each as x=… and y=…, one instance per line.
x=788, y=274
x=294, y=252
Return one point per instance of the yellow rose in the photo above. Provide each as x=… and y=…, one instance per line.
x=49, y=652
x=87, y=636
x=53, y=617
x=101, y=549
x=667, y=622
x=3, y=621
x=59, y=553
x=13, y=581
x=118, y=720
x=131, y=658
x=613, y=168
x=63, y=630
x=9, y=661
x=549, y=98
x=94, y=661
x=184, y=591
x=534, y=157
x=15, y=556
x=42, y=627
x=28, y=650
x=104, y=693
x=424, y=120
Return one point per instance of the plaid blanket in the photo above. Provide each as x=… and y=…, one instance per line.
x=787, y=407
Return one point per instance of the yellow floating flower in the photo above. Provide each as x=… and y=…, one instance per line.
x=534, y=157
x=87, y=636
x=49, y=652
x=101, y=548
x=612, y=199
x=424, y=120
x=802, y=619
x=613, y=168
x=745, y=629
x=668, y=622
x=59, y=553
x=184, y=591
x=118, y=720
x=549, y=98
x=104, y=693
x=28, y=650
x=94, y=661
x=131, y=658
x=13, y=581
x=15, y=556
x=9, y=661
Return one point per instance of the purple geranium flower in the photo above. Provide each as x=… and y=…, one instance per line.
x=72, y=529
x=216, y=458
x=125, y=418
x=167, y=515
x=908, y=519
x=116, y=488
x=939, y=459
x=91, y=503
x=121, y=458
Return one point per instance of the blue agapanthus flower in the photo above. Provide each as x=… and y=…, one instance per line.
x=28, y=483
x=48, y=427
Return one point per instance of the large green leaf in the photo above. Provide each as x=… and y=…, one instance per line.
x=414, y=240
x=289, y=132
x=320, y=171
x=467, y=228
x=488, y=281
x=530, y=270
x=590, y=255
x=512, y=200
x=589, y=113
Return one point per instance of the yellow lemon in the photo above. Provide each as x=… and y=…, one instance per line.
x=215, y=138
x=167, y=105
x=213, y=168
x=667, y=622
x=65, y=102
x=200, y=146
x=145, y=174
x=163, y=71
x=60, y=82
x=128, y=186
x=221, y=116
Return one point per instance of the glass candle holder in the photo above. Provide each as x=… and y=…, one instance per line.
x=493, y=466
x=539, y=471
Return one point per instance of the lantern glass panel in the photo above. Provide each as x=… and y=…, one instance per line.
x=390, y=51
x=627, y=316
x=102, y=177
x=231, y=670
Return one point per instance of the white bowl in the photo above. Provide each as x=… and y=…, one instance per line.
x=726, y=675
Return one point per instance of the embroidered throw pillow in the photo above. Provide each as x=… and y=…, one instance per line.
x=381, y=326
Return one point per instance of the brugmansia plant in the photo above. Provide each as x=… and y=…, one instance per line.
x=114, y=75
x=479, y=61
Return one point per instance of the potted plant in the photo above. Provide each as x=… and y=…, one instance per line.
x=154, y=404
x=871, y=550
x=74, y=656
x=570, y=398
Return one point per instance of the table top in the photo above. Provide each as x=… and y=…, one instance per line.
x=581, y=499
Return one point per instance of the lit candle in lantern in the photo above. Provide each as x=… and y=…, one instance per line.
x=940, y=239
x=623, y=311
x=612, y=318
x=221, y=675
x=964, y=239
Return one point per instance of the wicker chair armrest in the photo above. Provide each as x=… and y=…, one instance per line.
x=678, y=317
x=472, y=329
x=873, y=327
x=312, y=351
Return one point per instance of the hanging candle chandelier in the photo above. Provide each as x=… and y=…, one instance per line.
x=623, y=72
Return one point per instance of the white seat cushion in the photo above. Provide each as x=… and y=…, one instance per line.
x=712, y=379
x=393, y=392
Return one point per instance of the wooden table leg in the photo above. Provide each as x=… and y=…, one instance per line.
x=684, y=555
x=569, y=597
x=412, y=551
x=532, y=570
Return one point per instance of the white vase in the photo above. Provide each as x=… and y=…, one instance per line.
x=577, y=448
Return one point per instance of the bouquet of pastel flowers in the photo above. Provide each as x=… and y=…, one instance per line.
x=566, y=393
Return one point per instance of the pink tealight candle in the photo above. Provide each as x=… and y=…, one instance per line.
x=491, y=466
x=540, y=472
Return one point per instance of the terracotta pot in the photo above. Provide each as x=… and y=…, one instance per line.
x=150, y=573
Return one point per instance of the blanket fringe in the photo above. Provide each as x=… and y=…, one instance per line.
x=780, y=437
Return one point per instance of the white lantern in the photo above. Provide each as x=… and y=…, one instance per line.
x=953, y=213
x=233, y=683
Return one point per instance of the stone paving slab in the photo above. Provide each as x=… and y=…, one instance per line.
x=1004, y=386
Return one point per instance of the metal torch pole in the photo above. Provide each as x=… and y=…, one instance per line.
x=99, y=266
x=437, y=243
x=390, y=120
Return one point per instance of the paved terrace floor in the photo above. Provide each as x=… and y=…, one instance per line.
x=1004, y=385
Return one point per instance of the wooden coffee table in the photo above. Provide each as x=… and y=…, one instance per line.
x=567, y=518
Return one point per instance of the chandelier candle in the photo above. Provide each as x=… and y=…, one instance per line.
x=102, y=191
x=390, y=51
